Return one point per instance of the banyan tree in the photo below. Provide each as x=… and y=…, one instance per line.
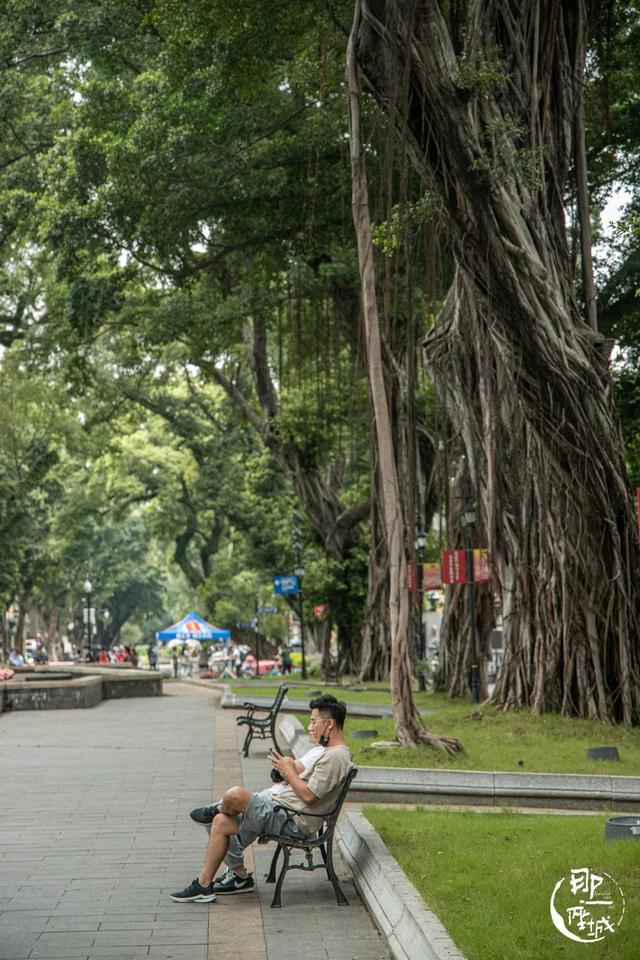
x=487, y=98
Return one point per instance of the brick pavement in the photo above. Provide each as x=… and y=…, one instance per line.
x=94, y=836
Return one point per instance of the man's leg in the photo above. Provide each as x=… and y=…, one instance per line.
x=225, y=825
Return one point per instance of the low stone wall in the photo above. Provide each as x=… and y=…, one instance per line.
x=87, y=688
x=52, y=695
x=132, y=684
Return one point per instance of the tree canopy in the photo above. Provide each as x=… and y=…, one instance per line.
x=185, y=359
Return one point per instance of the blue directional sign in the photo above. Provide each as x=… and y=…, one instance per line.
x=286, y=584
x=267, y=610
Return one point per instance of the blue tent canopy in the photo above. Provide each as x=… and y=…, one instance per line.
x=193, y=627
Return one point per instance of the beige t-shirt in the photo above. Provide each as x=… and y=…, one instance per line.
x=324, y=780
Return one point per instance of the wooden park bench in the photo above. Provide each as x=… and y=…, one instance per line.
x=322, y=841
x=336, y=671
x=262, y=727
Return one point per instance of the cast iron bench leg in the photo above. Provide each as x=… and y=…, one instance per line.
x=342, y=900
x=276, y=902
x=271, y=876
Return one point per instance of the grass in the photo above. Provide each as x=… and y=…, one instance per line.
x=516, y=741
x=264, y=689
x=489, y=877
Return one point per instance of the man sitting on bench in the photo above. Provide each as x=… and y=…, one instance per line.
x=241, y=816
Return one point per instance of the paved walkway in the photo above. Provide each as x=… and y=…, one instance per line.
x=94, y=836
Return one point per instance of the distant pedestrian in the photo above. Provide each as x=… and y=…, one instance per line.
x=186, y=663
x=285, y=660
x=236, y=655
x=152, y=654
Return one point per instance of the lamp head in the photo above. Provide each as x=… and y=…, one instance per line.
x=421, y=539
x=469, y=517
x=87, y=586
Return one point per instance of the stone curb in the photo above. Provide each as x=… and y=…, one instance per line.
x=398, y=909
x=478, y=787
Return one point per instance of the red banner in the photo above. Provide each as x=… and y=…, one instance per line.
x=454, y=566
x=412, y=584
x=481, y=571
x=432, y=576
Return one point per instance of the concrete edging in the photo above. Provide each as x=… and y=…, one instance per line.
x=411, y=929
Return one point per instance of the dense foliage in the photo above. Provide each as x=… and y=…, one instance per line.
x=183, y=356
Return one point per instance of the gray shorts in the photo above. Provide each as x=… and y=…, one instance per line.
x=260, y=817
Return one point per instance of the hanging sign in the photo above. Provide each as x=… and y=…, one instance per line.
x=431, y=576
x=319, y=610
x=481, y=571
x=412, y=579
x=454, y=566
x=286, y=584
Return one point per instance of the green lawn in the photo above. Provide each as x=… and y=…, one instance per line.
x=489, y=877
x=269, y=689
x=508, y=742
x=515, y=741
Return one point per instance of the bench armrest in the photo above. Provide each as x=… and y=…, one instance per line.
x=304, y=812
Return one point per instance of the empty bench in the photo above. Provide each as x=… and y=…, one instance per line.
x=262, y=727
x=336, y=671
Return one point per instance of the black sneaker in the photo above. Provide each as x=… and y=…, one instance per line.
x=231, y=883
x=195, y=893
x=205, y=814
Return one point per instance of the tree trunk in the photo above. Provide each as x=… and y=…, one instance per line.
x=53, y=632
x=527, y=377
x=409, y=727
x=23, y=606
x=376, y=653
x=455, y=649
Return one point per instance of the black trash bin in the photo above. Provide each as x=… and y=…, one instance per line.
x=622, y=828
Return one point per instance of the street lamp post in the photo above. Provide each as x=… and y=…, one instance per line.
x=256, y=631
x=299, y=572
x=104, y=640
x=469, y=520
x=421, y=541
x=88, y=587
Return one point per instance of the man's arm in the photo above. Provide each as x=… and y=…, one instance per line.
x=287, y=766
